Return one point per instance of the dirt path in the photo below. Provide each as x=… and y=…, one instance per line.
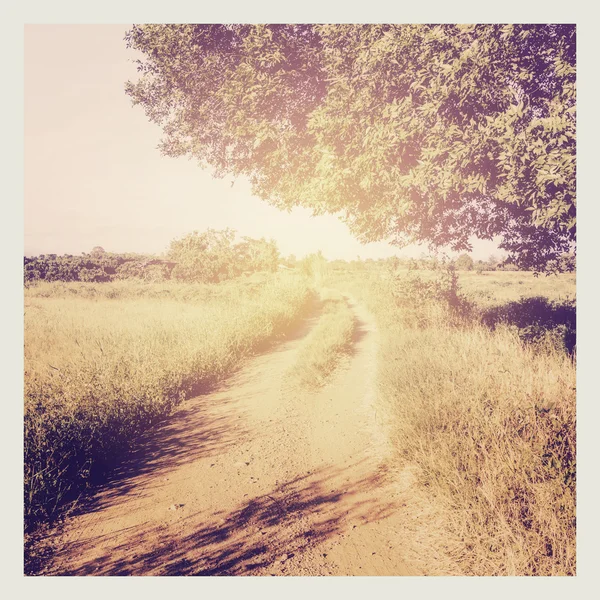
x=254, y=479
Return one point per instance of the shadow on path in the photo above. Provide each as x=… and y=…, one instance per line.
x=254, y=536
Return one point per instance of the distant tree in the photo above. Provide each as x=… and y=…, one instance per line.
x=257, y=255
x=204, y=257
x=93, y=274
x=393, y=263
x=315, y=266
x=492, y=262
x=339, y=265
x=464, y=263
x=97, y=251
x=290, y=261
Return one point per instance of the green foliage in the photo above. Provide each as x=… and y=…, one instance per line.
x=258, y=255
x=538, y=321
x=393, y=263
x=417, y=295
x=419, y=133
x=508, y=267
x=290, y=261
x=156, y=270
x=464, y=263
x=95, y=267
x=206, y=257
x=212, y=256
x=314, y=266
x=565, y=263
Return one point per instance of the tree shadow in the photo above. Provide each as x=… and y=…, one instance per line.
x=193, y=431
x=360, y=331
x=266, y=531
x=535, y=317
x=189, y=434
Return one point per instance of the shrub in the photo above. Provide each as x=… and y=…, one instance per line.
x=464, y=263
x=508, y=267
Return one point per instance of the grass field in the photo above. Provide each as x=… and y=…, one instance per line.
x=484, y=408
x=103, y=362
x=476, y=374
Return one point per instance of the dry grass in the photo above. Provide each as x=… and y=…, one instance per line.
x=498, y=287
x=492, y=288
x=327, y=342
x=489, y=422
x=103, y=362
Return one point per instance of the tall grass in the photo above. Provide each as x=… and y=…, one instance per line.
x=327, y=342
x=489, y=421
x=103, y=362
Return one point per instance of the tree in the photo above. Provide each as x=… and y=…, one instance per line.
x=204, y=257
x=290, y=261
x=393, y=264
x=314, y=266
x=257, y=255
x=492, y=262
x=413, y=133
x=464, y=263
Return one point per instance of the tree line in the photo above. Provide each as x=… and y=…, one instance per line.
x=202, y=257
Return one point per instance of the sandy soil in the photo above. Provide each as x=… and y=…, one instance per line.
x=256, y=478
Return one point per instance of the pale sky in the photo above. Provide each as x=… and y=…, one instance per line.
x=93, y=175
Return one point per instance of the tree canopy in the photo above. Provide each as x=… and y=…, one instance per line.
x=412, y=133
x=213, y=255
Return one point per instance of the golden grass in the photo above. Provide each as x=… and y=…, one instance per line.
x=103, y=362
x=327, y=342
x=498, y=287
x=489, y=422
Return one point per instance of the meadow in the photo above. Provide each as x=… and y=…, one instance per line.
x=477, y=376
x=106, y=361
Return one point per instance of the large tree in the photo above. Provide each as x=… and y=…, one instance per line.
x=412, y=133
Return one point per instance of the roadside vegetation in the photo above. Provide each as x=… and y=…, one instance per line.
x=328, y=342
x=430, y=134
x=106, y=361
x=476, y=375
x=210, y=256
x=484, y=408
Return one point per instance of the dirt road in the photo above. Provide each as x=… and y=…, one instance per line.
x=257, y=478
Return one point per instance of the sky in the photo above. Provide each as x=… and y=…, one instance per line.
x=94, y=176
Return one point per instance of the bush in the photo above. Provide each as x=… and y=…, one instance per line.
x=508, y=267
x=464, y=263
